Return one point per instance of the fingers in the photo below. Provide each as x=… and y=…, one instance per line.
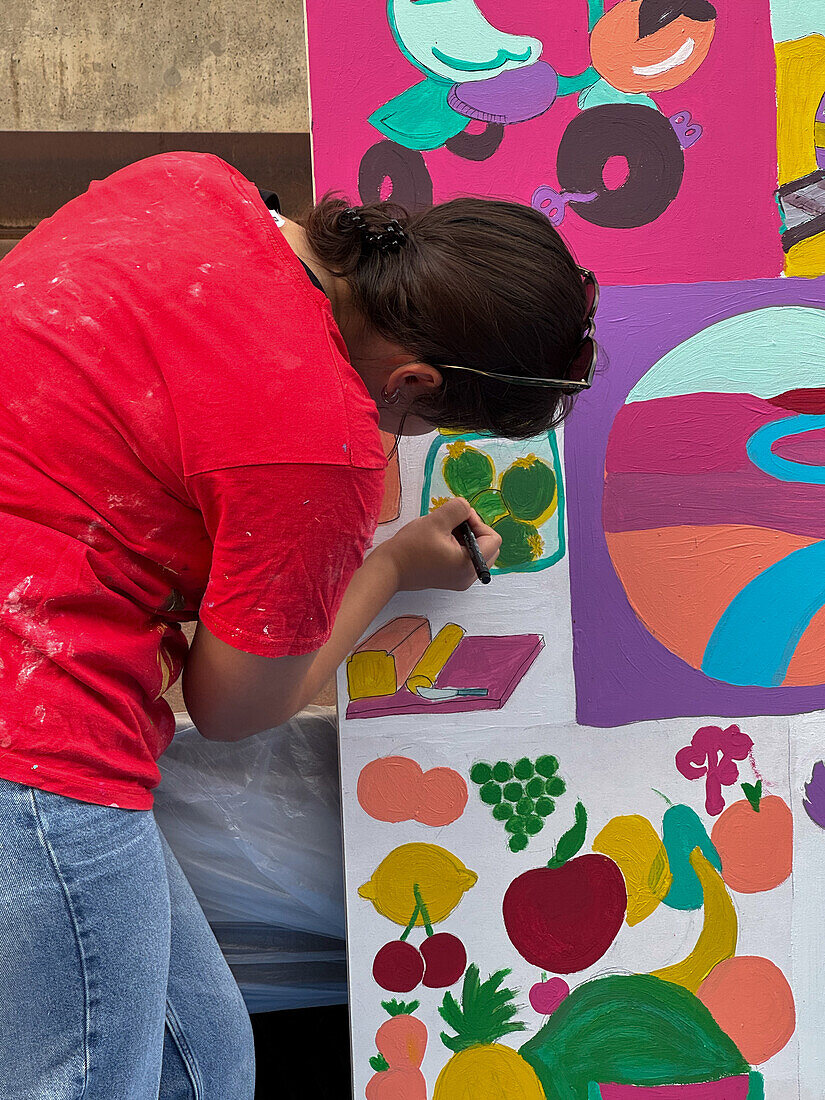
x=456, y=511
x=453, y=512
x=477, y=524
x=489, y=541
x=489, y=545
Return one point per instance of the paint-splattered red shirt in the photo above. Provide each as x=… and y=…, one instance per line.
x=181, y=433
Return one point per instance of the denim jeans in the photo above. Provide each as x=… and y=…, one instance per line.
x=112, y=986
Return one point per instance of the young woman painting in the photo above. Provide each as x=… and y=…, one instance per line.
x=190, y=396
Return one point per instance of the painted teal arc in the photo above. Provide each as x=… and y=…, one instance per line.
x=500, y=59
x=760, y=450
x=755, y=639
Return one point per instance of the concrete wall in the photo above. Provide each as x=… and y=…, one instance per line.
x=156, y=65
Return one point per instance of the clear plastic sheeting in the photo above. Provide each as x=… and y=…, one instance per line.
x=256, y=827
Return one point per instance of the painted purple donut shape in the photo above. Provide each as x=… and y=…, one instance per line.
x=513, y=96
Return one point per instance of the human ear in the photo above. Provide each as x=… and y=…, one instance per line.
x=413, y=380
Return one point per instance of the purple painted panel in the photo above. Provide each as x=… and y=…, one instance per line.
x=623, y=674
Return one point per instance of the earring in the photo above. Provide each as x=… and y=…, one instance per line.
x=390, y=398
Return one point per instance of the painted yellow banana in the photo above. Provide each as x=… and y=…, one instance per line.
x=717, y=940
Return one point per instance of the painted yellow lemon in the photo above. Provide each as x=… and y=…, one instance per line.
x=633, y=843
x=441, y=879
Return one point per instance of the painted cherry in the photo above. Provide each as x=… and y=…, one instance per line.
x=445, y=958
x=546, y=996
x=398, y=967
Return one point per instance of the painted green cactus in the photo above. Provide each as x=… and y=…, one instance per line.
x=467, y=470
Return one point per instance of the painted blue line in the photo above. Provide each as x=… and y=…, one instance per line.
x=760, y=450
x=756, y=637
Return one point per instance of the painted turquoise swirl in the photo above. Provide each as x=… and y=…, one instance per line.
x=757, y=635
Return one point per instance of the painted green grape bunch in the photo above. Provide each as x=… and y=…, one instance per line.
x=520, y=795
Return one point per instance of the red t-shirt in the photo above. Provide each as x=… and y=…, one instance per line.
x=181, y=434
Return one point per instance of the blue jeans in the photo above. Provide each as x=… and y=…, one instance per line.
x=112, y=986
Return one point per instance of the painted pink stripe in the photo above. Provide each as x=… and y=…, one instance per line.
x=643, y=502
x=732, y=1088
x=694, y=433
x=808, y=448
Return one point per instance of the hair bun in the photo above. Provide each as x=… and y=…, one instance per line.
x=388, y=239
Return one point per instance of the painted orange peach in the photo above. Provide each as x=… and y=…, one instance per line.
x=397, y=1084
x=389, y=788
x=636, y=49
x=756, y=847
x=394, y=788
x=751, y=1000
x=443, y=797
x=402, y=1040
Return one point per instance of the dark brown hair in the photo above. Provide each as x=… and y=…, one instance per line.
x=477, y=283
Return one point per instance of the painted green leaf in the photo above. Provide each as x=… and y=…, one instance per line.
x=571, y=841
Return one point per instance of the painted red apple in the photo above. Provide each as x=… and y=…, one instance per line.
x=564, y=917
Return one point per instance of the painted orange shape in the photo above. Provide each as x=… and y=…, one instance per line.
x=751, y=1000
x=389, y=788
x=397, y=1084
x=680, y=580
x=756, y=848
x=443, y=797
x=394, y=788
x=403, y=1041
x=634, y=61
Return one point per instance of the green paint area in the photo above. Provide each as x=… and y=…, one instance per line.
x=467, y=470
x=490, y=506
x=420, y=118
x=521, y=544
x=528, y=489
x=600, y=93
x=572, y=85
x=629, y=1030
x=487, y=65
x=497, y=476
x=520, y=795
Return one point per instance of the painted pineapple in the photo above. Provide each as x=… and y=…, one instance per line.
x=481, y=1067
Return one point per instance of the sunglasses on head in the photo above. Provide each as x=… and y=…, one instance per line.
x=582, y=365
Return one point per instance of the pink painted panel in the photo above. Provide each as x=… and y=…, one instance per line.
x=723, y=222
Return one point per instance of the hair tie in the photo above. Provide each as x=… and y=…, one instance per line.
x=388, y=239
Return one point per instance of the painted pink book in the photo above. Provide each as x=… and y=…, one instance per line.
x=731, y=1088
x=497, y=664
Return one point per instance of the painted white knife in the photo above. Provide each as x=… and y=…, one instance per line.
x=443, y=695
